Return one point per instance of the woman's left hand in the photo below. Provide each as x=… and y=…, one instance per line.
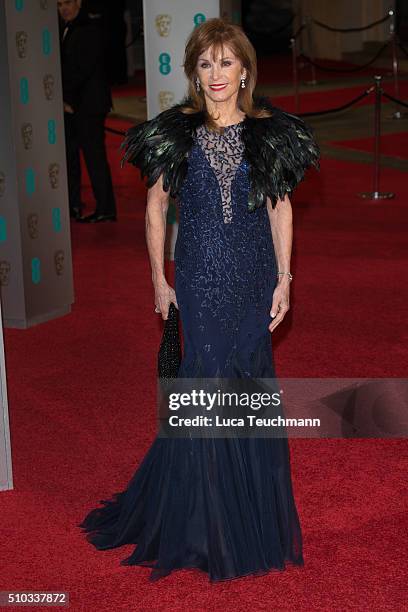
x=280, y=303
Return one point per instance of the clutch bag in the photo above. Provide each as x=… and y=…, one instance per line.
x=169, y=355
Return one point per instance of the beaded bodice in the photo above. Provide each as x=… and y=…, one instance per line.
x=224, y=253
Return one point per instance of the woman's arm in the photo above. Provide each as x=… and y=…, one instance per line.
x=155, y=228
x=281, y=221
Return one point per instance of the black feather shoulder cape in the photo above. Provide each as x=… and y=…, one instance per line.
x=278, y=149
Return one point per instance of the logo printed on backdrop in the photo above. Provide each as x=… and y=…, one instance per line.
x=198, y=18
x=32, y=226
x=35, y=270
x=59, y=257
x=2, y=184
x=21, y=43
x=46, y=41
x=53, y=175
x=3, y=229
x=30, y=181
x=48, y=83
x=27, y=135
x=5, y=268
x=56, y=219
x=166, y=99
x=163, y=25
x=52, y=135
x=24, y=95
x=37, y=133
x=164, y=63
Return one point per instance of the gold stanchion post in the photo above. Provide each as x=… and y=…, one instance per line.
x=376, y=194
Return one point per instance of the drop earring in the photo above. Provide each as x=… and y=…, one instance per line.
x=243, y=82
x=198, y=84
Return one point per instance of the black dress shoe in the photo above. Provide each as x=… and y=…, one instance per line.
x=75, y=212
x=97, y=218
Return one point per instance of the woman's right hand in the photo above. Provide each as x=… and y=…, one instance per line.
x=163, y=296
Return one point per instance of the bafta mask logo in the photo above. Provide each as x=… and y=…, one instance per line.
x=53, y=175
x=2, y=184
x=5, y=268
x=48, y=83
x=163, y=24
x=32, y=225
x=166, y=99
x=27, y=134
x=59, y=257
x=44, y=4
x=21, y=42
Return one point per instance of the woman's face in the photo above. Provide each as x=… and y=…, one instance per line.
x=220, y=78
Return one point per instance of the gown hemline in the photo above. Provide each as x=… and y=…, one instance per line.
x=161, y=573
x=121, y=521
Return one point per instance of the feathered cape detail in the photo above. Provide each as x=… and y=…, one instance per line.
x=278, y=149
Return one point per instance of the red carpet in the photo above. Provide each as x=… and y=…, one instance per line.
x=395, y=145
x=82, y=411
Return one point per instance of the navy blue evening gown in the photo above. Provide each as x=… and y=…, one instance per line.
x=223, y=505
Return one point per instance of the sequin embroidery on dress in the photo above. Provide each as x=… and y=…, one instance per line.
x=224, y=259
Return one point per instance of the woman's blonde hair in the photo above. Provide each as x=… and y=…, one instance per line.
x=216, y=33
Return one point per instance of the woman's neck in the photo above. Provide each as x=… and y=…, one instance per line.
x=225, y=113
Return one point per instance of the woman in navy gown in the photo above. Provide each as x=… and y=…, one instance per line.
x=225, y=505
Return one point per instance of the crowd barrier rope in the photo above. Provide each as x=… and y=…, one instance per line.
x=308, y=58
x=375, y=194
x=338, y=109
x=396, y=100
x=355, y=69
x=357, y=29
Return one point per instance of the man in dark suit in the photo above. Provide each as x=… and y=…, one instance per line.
x=87, y=101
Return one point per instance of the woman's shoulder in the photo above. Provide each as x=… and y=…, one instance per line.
x=165, y=126
x=279, y=147
x=158, y=146
x=282, y=134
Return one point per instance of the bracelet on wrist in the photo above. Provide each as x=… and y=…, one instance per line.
x=288, y=274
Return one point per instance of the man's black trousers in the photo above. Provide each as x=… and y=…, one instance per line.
x=86, y=132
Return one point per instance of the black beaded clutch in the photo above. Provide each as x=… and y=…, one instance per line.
x=169, y=356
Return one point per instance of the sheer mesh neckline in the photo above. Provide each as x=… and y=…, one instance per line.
x=224, y=152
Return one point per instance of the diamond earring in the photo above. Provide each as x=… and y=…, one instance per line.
x=198, y=84
x=243, y=82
